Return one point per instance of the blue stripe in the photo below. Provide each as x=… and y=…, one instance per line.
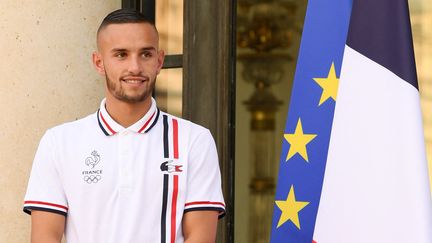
x=154, y=121
x=384, y=35
x=100, y=124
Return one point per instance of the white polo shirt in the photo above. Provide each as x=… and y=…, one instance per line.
x=132, y=184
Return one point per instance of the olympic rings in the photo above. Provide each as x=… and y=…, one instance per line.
x=92, y=179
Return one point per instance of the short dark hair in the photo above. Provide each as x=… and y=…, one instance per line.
x=125, y=16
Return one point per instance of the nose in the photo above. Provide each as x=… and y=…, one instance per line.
x=134, y=66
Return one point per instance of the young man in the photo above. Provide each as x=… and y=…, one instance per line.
x=129, y=172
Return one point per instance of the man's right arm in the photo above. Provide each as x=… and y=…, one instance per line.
x=47, y=227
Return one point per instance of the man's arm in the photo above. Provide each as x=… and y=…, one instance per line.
x=47, y=227
x=200, y=226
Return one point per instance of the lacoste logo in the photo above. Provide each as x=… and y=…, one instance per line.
x=93, y=160
x=170, y=167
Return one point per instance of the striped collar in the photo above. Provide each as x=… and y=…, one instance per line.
x=110, y=127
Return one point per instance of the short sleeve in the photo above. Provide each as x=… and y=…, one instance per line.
x=44, y=191
x=204, y=179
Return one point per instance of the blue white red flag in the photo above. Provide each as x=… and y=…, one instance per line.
x=353, y=165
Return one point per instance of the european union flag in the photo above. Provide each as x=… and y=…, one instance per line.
x=308, y=127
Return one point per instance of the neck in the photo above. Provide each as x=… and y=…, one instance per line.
x=126, y=114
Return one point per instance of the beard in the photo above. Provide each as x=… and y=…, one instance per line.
x=119, y=93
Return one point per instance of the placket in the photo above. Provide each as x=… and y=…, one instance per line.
x=125, y=158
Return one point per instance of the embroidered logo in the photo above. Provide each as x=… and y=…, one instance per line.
x=93, y=160
x=92, y=176
x=169, y=166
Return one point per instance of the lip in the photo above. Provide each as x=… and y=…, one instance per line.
x=141, y=78
x=133, y=80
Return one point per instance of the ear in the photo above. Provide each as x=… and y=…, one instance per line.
x=161, y=58
x=98, y=63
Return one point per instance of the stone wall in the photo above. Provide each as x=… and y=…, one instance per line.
x=47, y=78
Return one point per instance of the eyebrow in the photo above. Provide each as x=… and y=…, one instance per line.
x=125, y=50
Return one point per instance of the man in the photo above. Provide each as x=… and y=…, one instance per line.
x=129, y=172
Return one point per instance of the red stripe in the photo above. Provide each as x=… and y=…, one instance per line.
x=148, y=121
x=314, y=241
x=175, y=138
x=174, y=209
x=106, y=124
x=204, y=202
x=46, y=203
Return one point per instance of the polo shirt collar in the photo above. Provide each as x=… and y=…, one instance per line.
x=110, y=127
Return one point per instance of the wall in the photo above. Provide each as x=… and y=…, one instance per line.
x=46, y=78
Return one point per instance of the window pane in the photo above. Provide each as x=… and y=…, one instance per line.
x=169, y=91
x=169, y=21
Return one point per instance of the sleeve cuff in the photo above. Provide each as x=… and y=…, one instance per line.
x=28, y=210
x=206, y=206
x=44, y=206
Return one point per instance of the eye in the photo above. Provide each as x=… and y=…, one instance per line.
x=120, y=55
x=147, y=54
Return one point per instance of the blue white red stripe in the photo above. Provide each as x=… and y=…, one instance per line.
x=30, y=205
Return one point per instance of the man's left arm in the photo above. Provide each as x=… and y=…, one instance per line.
x=200, y=226
x=204, y=201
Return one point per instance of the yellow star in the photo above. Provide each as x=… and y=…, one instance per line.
x=329, y=85
x=298, y=141
x=290, y=209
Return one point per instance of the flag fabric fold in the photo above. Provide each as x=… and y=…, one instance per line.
x=353, y=165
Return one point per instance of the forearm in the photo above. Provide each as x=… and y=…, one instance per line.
x=45, y=239
x=47, y=227
x=191, y=240
x=200, y=226
x=201, y=237
x=208, y=236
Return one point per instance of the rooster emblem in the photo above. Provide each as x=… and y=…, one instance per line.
x=93, y=160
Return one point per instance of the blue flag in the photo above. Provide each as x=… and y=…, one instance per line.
x=308, y=127
x=353, y=165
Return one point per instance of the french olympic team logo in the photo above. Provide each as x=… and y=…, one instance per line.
x=92, y=176
x=92, y=179
x=93, y=160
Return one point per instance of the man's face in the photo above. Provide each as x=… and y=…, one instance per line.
x=129, y=58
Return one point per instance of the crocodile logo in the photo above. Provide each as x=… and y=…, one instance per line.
x=170, y=167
